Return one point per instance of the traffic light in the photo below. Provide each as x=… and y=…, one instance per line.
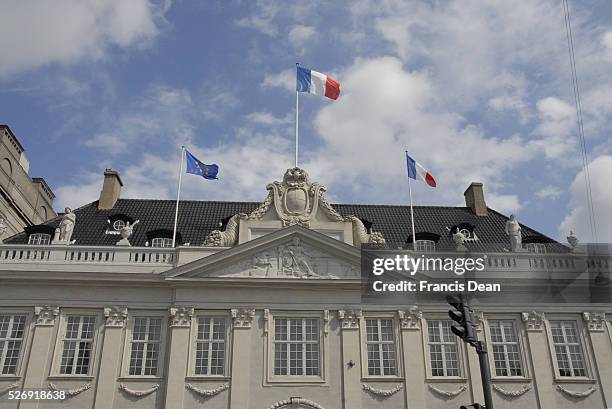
x=472, y=406
x=463, y=316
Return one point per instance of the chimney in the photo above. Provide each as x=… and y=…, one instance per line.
x=474, y=199
x=110, y=190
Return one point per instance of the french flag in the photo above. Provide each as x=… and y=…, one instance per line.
x=415, y=170
x=316, y=83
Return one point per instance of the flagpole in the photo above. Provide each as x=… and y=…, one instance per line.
x=411, y=213
x=297, y=108
x=178, y=195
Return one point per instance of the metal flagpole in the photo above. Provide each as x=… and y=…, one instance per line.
x=178, y=195
x=297, y=108
x=411, y=215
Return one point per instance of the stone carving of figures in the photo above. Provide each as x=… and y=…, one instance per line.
x=261, y=263
x=459, y=239
x=513, y=229
x=66, y=225
x=126, y=232
x=295, y=261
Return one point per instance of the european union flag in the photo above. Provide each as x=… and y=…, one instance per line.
x=198, y=168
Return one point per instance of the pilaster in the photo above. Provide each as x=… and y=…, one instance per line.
x=242, y=322
x=110, y=364
x=351, y=359
x=540, y=358
x=180, y=324
x=600, y=341
x=412, y=347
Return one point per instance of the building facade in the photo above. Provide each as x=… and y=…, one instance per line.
x=24, y=201
x=261, y=305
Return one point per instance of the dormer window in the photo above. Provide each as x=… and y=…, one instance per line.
x=161, y=242
x=539, y=248
x=39, y=239
x=425, y=246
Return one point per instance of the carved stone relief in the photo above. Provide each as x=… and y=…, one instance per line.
x=410, y=318
x=533, y=320
x=596, y=321
x=243, y=317
x=349, y=319
x=115, y=316
x=181, y=316
x=46, y=314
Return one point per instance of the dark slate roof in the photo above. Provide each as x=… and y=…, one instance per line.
x=198, y=218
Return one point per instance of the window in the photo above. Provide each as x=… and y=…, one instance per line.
x=443, y=349
x=11, y=339
x=118, y=224
x=296, y=346
x=380, y=343
x=505, y=347
x=568, y=348
x=145, y=346
x=161, y=242
x=39, y=239
x=77, y=345
x=426, y=246
x=539, y=248
x=210, y=346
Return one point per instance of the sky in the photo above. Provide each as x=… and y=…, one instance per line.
x=474, y=90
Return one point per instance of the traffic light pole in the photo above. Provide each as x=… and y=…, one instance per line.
x=485, y=374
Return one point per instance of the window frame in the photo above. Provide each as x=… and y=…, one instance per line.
x=537, y=248
x=581, y=333
x=461, y=353
x=129, y=330
x=426, y=243
x=165, y=240
x=39, y=236
x=521, y=335
x=389, y=315
x=25, y=343
x=59, y=346
x=193, y=339
x=269, y=328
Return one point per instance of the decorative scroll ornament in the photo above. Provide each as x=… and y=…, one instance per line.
x=411, y=318
x=243, y=317
x=180, y=316
x=295, y=200
x=291, y=402
x=349, y=318
x=512, y=394
x=596, y=321
x=207, y=392
x=46, y=314
x=381, y=392
x=326, y=318
x=579, y=395
x=534, y=320
x=8, y=388
x=70, y=392
x=138, y=394
x=116, y=316
x=478, y=318
x=448, y=394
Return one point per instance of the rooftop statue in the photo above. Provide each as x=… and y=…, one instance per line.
x=126, y=232
x=513, y=229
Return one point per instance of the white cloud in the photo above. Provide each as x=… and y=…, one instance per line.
x=266, y=118
x=600, y=172
x=549, y=192
x=284, y=79
x=557, y=128
x=262, y=19
x=34, y=33
x=299, y=35
x=508, y=204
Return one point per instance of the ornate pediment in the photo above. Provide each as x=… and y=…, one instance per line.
x=291, y=253
x=295, y=201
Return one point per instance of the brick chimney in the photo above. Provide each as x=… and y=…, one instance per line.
x=110, y=190
x=474, y=199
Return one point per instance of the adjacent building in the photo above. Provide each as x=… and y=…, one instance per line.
x=261, y=306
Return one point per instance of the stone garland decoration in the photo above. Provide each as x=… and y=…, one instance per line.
x=138, y=394
x=207, y=392
x=296, y=401
x=448, y=394
x=8, y=388
x=579, y=395
x=381, y=392
x=512, y=394
x=71, y=392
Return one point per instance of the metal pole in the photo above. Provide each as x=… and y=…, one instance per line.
x=412, y=215
x=485, y=375
x=178, y=195
x=297, y=118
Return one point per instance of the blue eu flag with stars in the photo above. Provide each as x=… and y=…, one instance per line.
x=198, y=168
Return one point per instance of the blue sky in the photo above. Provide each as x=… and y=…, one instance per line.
x=475, y=90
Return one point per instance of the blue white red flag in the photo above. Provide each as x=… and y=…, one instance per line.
x=316, y=83
x=416, y=171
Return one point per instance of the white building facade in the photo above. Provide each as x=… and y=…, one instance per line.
x=267, y=312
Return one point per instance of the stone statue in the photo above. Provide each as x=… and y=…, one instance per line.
x=295, y=261
x=126, y=232
x=573, y=241
x=3, y=229
x=459, y=239
x=66, y=225
x=513, y=229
